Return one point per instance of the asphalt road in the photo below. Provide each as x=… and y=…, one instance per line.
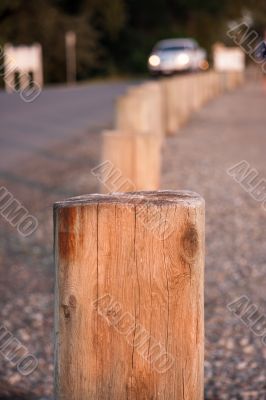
x=57, y=115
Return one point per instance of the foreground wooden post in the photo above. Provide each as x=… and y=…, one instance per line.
x=129, y=296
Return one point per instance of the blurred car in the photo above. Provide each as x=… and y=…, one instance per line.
x=173, y=55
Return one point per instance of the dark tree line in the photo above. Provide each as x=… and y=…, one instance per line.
x=115, y=36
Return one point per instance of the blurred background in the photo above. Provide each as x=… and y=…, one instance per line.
x=115, y=37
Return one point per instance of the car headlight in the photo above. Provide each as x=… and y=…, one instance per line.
x=182, y=59
x=154, y=60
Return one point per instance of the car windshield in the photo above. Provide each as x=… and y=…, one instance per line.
x=173, y=48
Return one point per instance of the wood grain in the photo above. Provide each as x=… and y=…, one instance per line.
x=129, y=296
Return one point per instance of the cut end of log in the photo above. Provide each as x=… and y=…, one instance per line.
x=161, y=197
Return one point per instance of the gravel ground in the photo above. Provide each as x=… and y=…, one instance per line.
x=226, y=131
x=27, y=272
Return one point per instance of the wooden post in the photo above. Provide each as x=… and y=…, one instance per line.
x=153, y=105
x=241, y=77
x=185, y=106
x=177, y=103
x=169, y=107
x=195, y=92
x=205, y=87
x=209, y=85
x=200, y=89
x=118, y=154
x=129, y=296
x=126, y=117
x=70, y=41
x=217, y=83
x=141, y=110
x=130, y=162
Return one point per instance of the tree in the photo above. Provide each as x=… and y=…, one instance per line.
x=116, y=36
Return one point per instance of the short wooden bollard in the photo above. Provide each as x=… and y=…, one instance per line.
x=141, y=110
x=116, y=173
x=194, y=92
x=186, y=106
x=129, y=296
x=130, y=162
x=177, y=105
x=170, y=101
x=153, y=98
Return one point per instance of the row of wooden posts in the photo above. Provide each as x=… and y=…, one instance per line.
x=144, y=116
x=129, y=312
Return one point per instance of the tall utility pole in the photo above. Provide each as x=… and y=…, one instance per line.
x=71, y=56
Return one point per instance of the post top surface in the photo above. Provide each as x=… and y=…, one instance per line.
x=160, y=198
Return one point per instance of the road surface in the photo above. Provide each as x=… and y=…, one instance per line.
x=57, y=115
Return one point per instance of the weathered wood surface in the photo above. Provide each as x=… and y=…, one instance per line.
x=141, y=110
x=135, y=161
x=129, y=296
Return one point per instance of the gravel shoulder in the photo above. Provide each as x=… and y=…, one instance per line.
x=228, y=130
